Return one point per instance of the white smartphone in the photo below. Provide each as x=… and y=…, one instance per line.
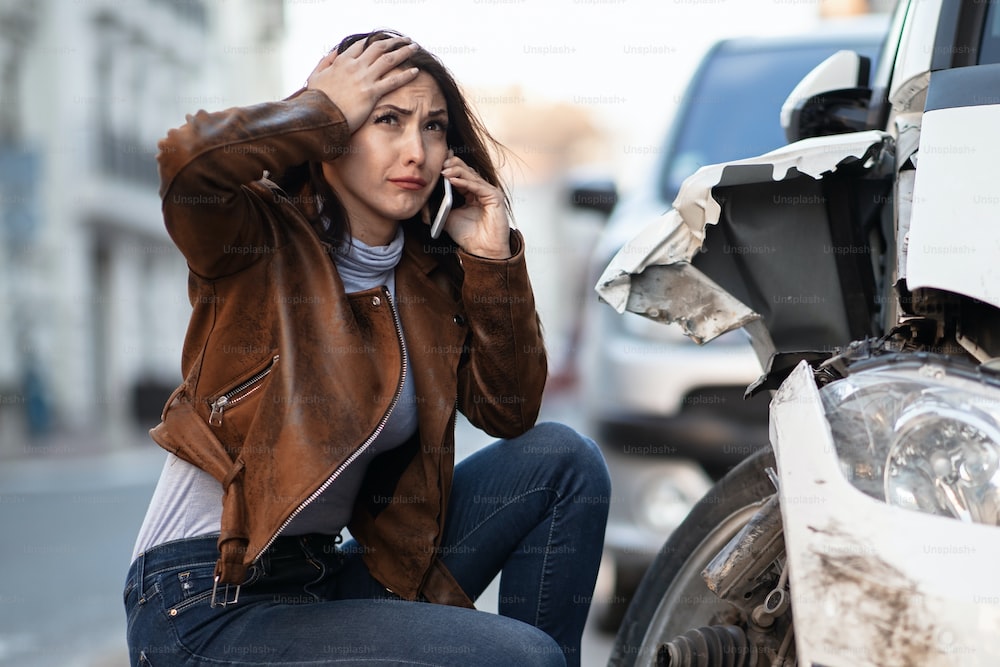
x=443, y=210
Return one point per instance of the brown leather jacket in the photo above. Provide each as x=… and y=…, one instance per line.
x=286, y=377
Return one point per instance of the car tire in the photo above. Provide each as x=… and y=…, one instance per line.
x=672, y=597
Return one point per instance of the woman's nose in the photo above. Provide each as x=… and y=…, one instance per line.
x=413, y=148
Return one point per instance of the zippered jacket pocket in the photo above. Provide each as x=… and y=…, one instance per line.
x=239, y=392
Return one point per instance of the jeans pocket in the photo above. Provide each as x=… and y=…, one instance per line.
x=196, y=585
x=186, y=588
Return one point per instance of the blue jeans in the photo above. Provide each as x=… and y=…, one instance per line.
x=533, y=508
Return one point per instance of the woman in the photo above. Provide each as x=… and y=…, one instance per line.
x=331, y=342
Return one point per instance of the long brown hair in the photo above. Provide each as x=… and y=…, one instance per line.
x=467, y=137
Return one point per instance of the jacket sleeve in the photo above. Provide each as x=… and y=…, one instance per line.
x=206, y=164
x=500, y=385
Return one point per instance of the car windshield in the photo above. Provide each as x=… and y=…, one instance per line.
x=734, y=109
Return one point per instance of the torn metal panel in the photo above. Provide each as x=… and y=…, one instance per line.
x=680, y=293
x=677, y=237
x=667, y=240
x=910, y=95
x=907, y=146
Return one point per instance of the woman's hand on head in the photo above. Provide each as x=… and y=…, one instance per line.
x=355, y=79
x=481, y=226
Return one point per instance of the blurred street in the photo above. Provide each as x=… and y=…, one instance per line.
x=69, y=525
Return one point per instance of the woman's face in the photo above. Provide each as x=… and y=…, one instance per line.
x=393, y=160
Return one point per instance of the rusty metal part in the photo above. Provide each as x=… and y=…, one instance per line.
x=735, y=572
x=749, y=574
x=775, y=604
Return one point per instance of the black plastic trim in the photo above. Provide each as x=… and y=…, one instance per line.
x=964, y=87
x=854, y=269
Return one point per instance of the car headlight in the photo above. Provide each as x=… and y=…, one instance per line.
x=921, y=435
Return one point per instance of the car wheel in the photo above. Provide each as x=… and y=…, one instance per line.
x=672, y=598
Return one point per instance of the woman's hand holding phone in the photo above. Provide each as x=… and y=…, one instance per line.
x=480, y=226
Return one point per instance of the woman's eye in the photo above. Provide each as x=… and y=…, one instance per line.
x=437, y=126
x=388, y=118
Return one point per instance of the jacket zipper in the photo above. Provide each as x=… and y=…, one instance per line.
x=238, y=393
x=360, y=450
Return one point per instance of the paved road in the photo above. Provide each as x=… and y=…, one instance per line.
x=68, y=525
x=68, y=528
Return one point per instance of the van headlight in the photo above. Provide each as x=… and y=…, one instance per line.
x=921, y=435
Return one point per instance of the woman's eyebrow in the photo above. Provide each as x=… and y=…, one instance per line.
x=409, y=112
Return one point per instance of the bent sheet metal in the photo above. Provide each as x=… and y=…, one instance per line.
x=652, y=274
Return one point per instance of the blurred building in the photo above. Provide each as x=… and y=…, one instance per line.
x=93, y=302
x=835, y=8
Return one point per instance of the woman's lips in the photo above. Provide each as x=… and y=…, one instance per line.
x=409, y=183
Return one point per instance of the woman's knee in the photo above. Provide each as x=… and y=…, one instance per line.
x=519, y=643
x=569, y=450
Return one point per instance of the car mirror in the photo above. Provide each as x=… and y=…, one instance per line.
x=832, y=99
x=598, y=195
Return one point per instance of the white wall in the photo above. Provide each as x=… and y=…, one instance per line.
x=97, y=321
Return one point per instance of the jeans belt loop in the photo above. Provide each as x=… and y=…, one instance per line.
x=140, y=564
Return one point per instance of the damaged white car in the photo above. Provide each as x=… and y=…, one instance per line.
x=868, y=277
